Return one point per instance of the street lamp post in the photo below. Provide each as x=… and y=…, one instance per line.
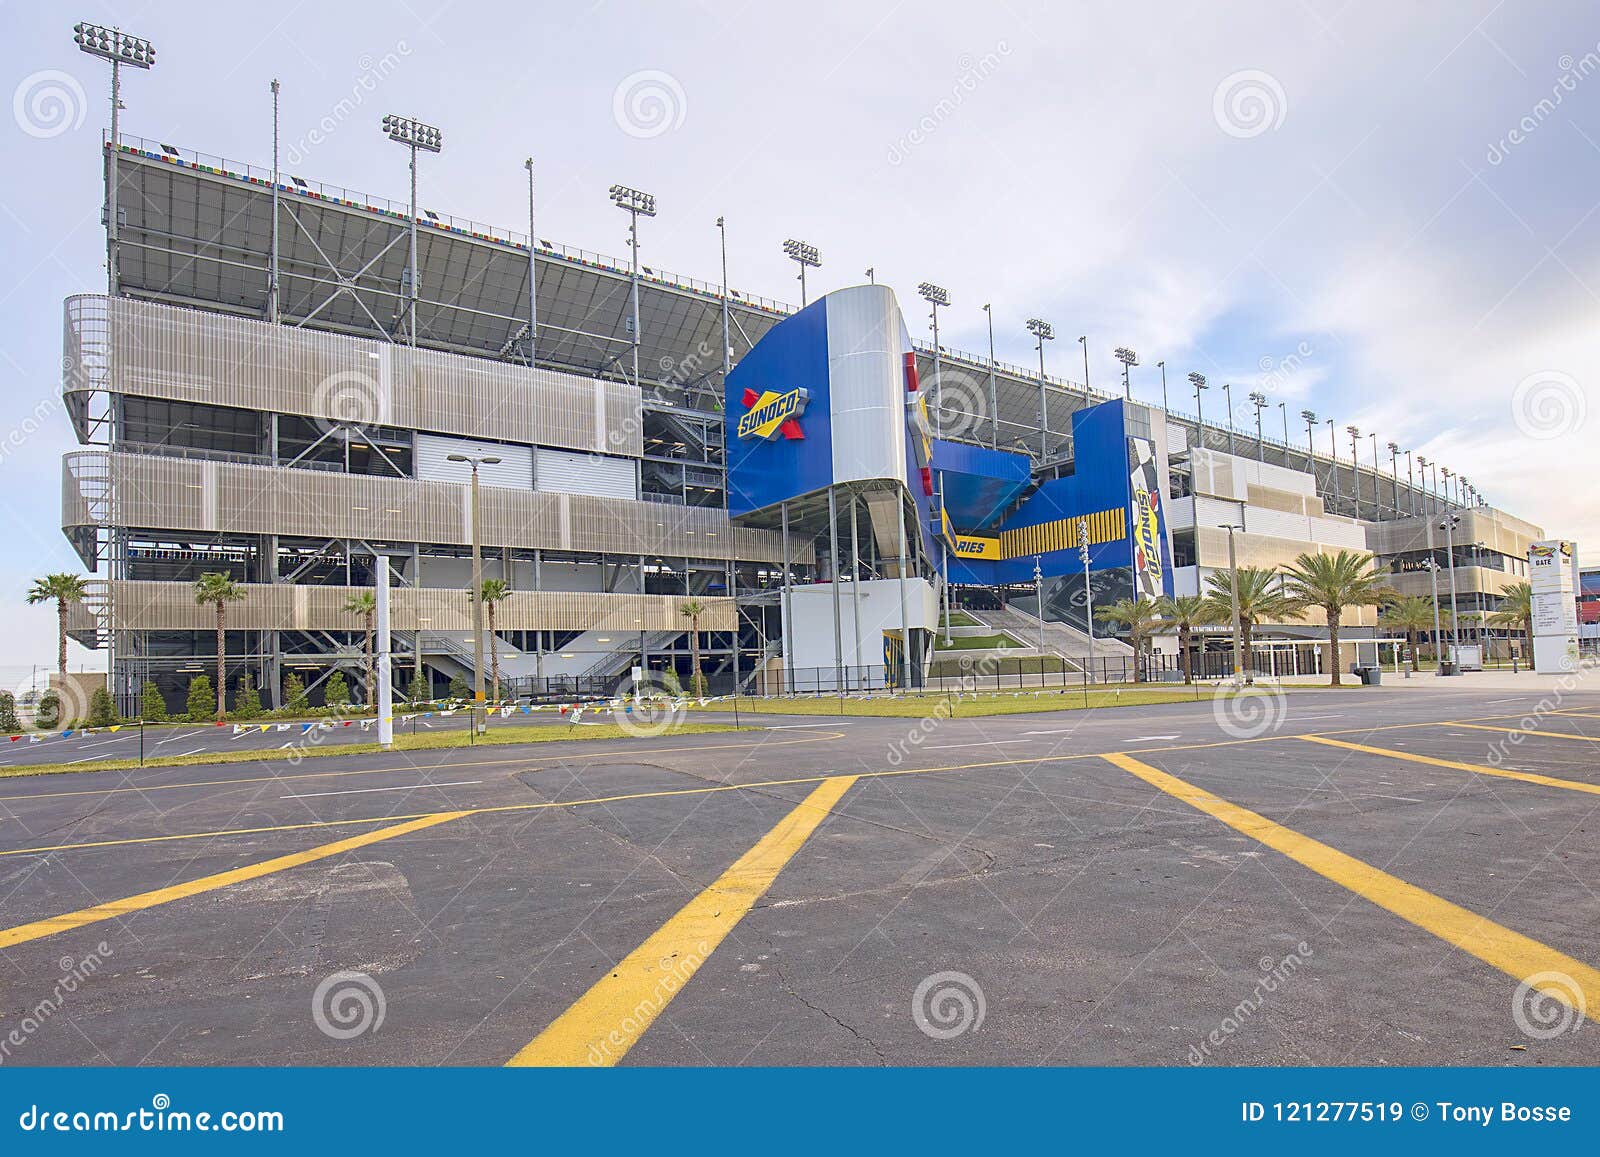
x=119, y=48
x=1038, y=598
x=1433, y=582
x=1259, y=401
x=806, y=257
x=635, y=204
x=1227, y=403
x=1233, y=597
x=1198, y=381
x=415, y=136
x=1129, y=359
x=1355, y=465
x=1088, y=591
x=994, y=407
x=479, y=717
x=1450, y=523
x=1042, y=331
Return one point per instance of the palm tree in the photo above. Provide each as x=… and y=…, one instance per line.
x=1516, y=610
x=63, y=590
x=692, y=610
x=365, y=604
x=219, y=590
x=1412, y=614
x=1186, y=613
x=1139, y=616
x=1261, y=598
x=494, y=591
x=1333, y=582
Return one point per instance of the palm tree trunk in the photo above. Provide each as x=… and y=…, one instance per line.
x=1138, y=661
x=1247, y=644
x=1333, y=644
x=222, y=635
x=1411, y=645
x=494, y=656
x=1184, y=641
x=61, y=648
x=694, y=652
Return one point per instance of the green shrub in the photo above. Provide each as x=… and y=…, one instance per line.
x=102, y=708
x=153, y=707
x=459, y=689
x=9, y=723
x=295, y=700
x=336, y=692
x=202, y=699
x=247, y=704
x=47, y=715
x=420, y=688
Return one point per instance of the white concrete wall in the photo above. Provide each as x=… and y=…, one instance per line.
x=810, y=635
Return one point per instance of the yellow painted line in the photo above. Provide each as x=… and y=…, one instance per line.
x=429, y=766
x=605, y=1022
x=119, y=843
x=1530, y=731
x=112, y=909
x=1518, y=956
x=1475, y=768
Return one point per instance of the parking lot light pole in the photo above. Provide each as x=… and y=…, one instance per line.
x=480, y=720
x=1088, y=591
x=1233, y=598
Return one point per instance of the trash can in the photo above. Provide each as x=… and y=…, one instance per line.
x=1372, y=676
x=1447, y=667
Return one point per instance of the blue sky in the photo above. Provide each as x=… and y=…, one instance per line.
x=1385, y=212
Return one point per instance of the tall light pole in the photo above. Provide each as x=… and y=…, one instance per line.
x=1283, y=412
x=1433, y=581
x=533, y=276
x=415, y=136
x=1084, y=342
x=1394, y=473
x=806, y=257
x=1233, y=598
x=1227, y=402
x=1449, y=525
x=1129, y=359
x=1355, y=464
x=272, y=268
x=1259, y=401
x=1088, y=591
x=479, y=718
x=1411, y=487
x=1422, y=473
x=1198, y=381
x=119, y=48
x=1333, y=448
x=1162, y=366
x=936, y=296
x=1043, y=331
x=635, y=204
x=994, y=407
x=1038, y=598
x=384, y=697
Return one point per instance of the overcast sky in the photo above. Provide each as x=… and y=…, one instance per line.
x=1384, y=212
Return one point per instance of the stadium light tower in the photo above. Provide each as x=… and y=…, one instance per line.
x=1162, y=366
x=119, y=48
x=1394, y=472
x=1042, y=331
x=1259, y=401
x=1355, y=463
x=414, y=135
x=1227, y=405
x=1084, y=342
x=635, y=204
x=935, y=296
x=1128, y=359
x=804, y=255
x=1198, y=381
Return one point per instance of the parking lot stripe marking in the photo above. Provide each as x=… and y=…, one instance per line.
x=1476, y=768
x=112, y=909
x=605, y=1022
x=370, y=790
x=1518, y=956
x=1531, y=731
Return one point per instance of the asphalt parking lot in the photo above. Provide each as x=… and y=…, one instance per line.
x=1317, y=878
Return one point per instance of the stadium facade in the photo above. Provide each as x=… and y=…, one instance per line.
x=270, y=389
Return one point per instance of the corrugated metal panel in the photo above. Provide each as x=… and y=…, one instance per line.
x=866, y=383
x=1177, y=438
x=514, y=471
x=1276, y=523
x=595, y=474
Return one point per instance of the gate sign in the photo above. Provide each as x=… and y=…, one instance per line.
x=1552, y=575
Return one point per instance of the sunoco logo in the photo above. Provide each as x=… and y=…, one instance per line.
x=769, y=414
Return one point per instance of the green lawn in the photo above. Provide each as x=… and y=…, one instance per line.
x=975, y=643
x=422, y=741
x=960, y=619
